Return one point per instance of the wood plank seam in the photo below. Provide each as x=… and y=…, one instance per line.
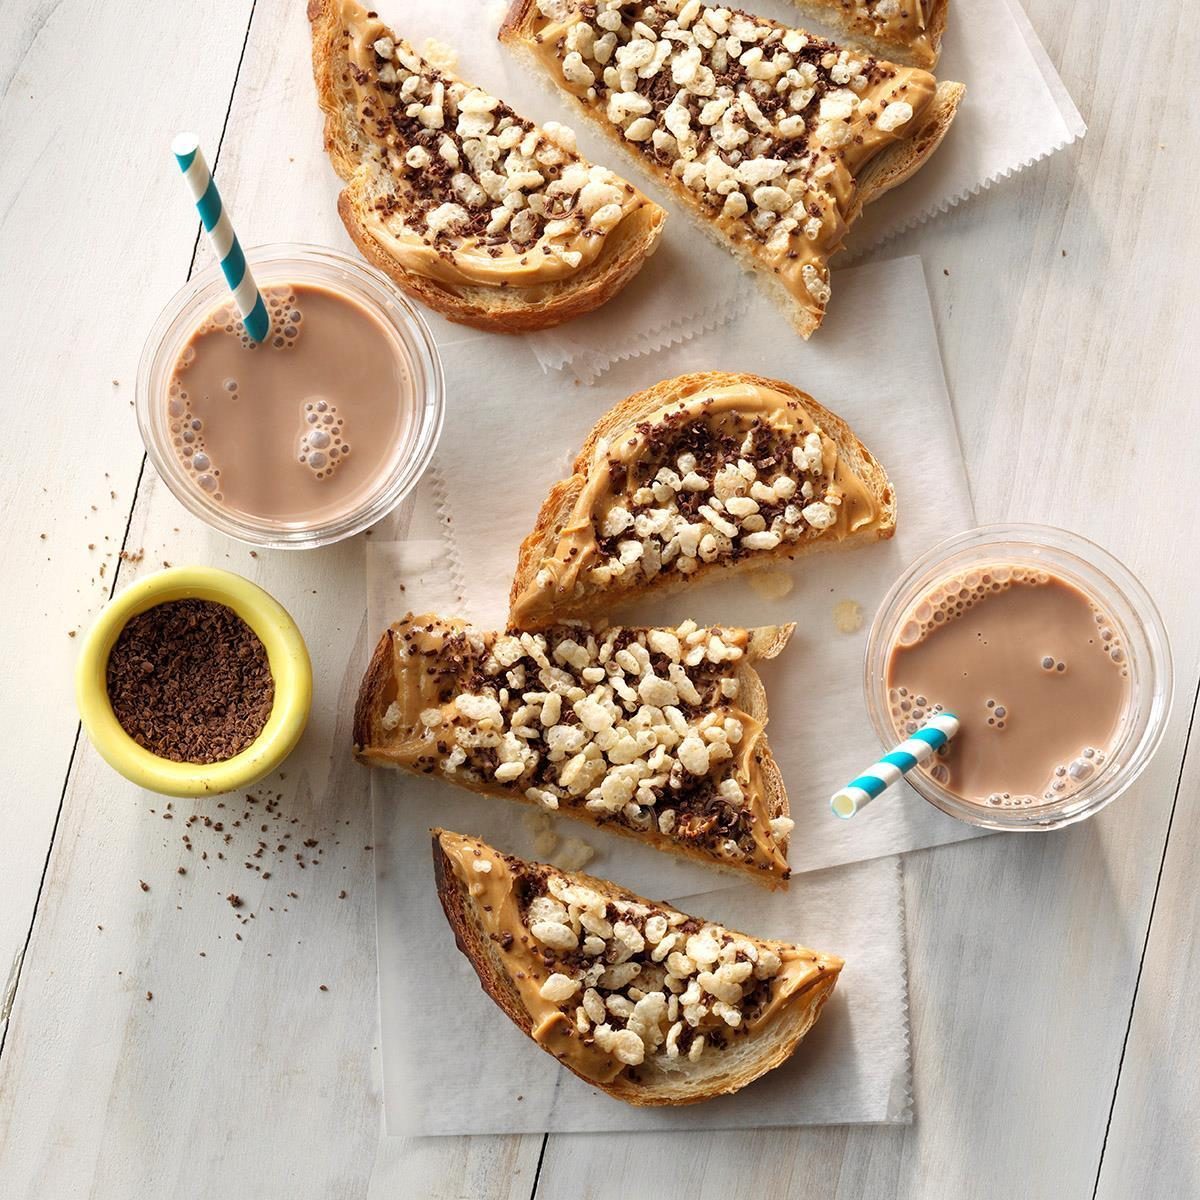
x=10, y=994
x=14, y=979
x=537, y=1172
x=1137, y=983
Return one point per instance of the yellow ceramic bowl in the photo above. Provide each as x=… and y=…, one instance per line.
x=287, y=656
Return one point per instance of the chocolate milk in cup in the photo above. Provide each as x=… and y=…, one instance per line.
x=1056, y=665
x=309, y=435
x=1034, y=670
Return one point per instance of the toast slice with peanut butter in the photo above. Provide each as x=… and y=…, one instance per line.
x=773, y=139
x=471, y=209
x=654, y=734
x=651, y=1005
x=693, y=478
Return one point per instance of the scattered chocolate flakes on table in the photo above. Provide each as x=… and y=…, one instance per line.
x=261, y=833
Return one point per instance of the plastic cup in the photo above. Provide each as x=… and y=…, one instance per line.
x=332, y=270
x=1129, y=609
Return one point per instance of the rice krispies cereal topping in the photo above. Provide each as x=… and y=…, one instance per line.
x=615, y=984
x=467, y=190
x=766, y=127
x=733, y=470
x=640, y=728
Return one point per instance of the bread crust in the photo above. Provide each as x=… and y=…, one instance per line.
x=541, y=542
x=374, y=745
x=890, y=167
x=774, y=1044
x=503, y=310
x=902, y=160
x=375, y=692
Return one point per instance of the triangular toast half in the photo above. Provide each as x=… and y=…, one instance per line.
x=652, y=1005
x=656, y=734
x=692, y=478
x=906, y=31
x=772, y=138
x=473, y=210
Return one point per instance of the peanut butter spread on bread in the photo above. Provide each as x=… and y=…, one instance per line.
x=729, y=472
x=639, y=729
x=769, y=129
x=613, y=983
x=466, y=191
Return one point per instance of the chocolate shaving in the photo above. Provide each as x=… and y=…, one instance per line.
x=189, y=681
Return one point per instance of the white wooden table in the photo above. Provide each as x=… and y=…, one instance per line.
x=155, y=1045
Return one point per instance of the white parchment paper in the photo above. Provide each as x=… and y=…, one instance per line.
x=454, y=1064
x=1016, y=111
x=511, y=432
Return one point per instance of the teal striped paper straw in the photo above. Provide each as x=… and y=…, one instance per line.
x=215, y=218
x=918, y=748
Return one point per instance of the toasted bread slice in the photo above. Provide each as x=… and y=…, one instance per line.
x=693, y=478
x=773, y=139
x=470, y=208
x=657, y=734
x=652, y=1005
x=906, y=31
